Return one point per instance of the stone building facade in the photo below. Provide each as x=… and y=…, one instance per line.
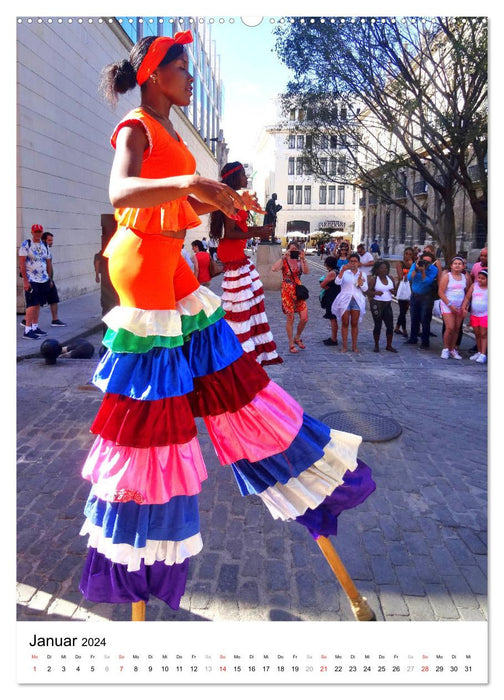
x=64, y=127
x=309, y=202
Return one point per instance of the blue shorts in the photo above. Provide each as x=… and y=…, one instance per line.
x=353, y=305
x=37, y=294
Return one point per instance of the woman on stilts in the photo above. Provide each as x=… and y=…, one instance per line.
x=171, y=357
x=242, y=290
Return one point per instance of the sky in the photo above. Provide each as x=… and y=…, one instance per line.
x=252, y=76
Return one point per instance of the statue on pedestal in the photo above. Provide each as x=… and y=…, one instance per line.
x=270, y=218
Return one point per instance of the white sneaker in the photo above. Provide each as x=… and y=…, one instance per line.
x=445, y=354
x=455, y=355
x=475, y=356
x=481, y=359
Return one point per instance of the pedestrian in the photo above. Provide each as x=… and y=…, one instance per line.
x=403, y=291
x=172, y=357
x=34, y=269
x=366, y=259
x=52, y=297
x=341, y=255
x=242, y=290
x=188, y=258
x=380, y=290
x=201, y=263
x=204, y=242
x=480, y=264
x=331, y=291
x=349, y=306
x=375, y=249
x=422, y=277
x=476, y=300
x=452, y=291
x=292, y=265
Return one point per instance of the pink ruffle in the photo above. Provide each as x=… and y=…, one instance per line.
x=150, y=475
x=264, y=427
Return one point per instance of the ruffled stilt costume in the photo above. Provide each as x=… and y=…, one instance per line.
x=243, y=299
x=171, y=356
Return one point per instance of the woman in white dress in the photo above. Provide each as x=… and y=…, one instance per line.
x=350, y=305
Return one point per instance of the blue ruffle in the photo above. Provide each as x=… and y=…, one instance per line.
x=134, y=524
x=164, y=372
x=306, y=448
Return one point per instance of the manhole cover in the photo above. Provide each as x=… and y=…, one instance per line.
x=371, y=427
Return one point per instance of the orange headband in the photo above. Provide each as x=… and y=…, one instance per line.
x=157, y=51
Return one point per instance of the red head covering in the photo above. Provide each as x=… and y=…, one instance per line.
x=37, y=228
x=157, y=51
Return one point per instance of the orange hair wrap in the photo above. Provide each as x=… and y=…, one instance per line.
x=157, y=51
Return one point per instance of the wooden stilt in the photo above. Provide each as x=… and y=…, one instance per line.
x=360, y=606
x=138, y=611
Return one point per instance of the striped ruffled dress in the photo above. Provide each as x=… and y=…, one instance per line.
x=243, y=302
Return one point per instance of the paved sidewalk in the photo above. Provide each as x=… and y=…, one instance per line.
x=416, y=548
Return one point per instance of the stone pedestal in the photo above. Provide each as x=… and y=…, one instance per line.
x=267, y=255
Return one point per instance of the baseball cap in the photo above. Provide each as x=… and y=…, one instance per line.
x=37, y=228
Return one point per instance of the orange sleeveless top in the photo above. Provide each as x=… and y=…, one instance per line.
x=164, y=157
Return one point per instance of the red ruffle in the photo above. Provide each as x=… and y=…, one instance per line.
x=133, y=423
x=229, y=389
x=239, y=316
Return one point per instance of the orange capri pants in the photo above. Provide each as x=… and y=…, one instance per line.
x=147, y=269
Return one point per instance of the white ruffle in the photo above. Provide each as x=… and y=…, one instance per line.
x=165, y=322
x=311, y=487
x=244, y=326
x=169, y=552
x=249, y=282
x=238, y=306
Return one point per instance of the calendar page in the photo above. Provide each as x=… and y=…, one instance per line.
x=221, y=482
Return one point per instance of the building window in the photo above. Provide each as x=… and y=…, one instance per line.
x=323, y=165
x=341, y=194
x=309, y=141
x=332, y=166
x=332, y=194
x=292, y=115
x=322, y=194
x=334, y=141
x=292, y=141
x=300, y=142
x=290, y=194
x=354, y=194
x=290, y=170
x=324, y=141
x=299, y=194
x=299, y=166
x=307, y=194
x=341, y=165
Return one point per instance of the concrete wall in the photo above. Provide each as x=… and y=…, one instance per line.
x=64, y=153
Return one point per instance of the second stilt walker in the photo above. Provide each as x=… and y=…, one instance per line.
x=242, y=290
x=171, y=357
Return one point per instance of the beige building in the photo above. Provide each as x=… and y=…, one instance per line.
x=309, y=203
x=64, y=127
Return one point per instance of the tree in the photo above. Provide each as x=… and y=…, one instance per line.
x=406, y=102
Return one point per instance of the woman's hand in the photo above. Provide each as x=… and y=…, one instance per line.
x=250, y=200
x=217, y=194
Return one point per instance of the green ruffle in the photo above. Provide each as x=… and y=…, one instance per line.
x=126, y=341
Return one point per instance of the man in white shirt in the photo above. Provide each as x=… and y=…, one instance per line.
x=366, y=259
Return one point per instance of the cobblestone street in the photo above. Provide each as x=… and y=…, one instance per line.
x=416, y=548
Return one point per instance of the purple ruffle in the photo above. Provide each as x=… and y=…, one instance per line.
x=356, y=487
x=105, y=582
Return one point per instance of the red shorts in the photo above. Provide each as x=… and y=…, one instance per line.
x=479, y=321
